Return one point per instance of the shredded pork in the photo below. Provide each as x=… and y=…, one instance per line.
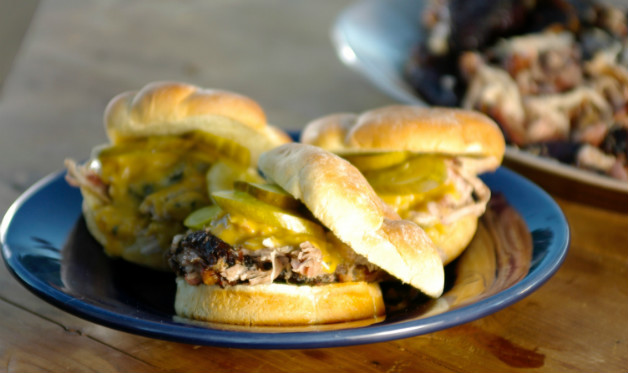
x=86, y=177
x=201, y=257
x=541, y=89
x=471, y=199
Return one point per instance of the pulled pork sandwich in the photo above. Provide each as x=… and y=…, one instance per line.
x=169, y=142
x=423, y=162
x=307, y=247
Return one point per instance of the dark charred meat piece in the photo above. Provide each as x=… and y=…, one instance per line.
x=563, y=151
x=474, y=25
x=211, y=248
x=196, y=252
x=435, y=78
x=616, y=142
x=201, y=257
x=498, y=17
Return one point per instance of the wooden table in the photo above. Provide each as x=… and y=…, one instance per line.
x=77, y=55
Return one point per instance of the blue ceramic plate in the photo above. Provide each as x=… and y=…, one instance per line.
x=375, y=37
x=47, y=247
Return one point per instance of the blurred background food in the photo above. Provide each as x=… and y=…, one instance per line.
x=552, y=73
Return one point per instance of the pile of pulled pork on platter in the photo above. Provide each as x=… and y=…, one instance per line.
x=553, y=74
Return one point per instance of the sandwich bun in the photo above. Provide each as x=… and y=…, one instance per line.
x=280, y=304
x=453, y=238
x=173, y=108
x=448, y=131
x=472, y=138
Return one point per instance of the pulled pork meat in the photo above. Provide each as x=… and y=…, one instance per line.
x=471, y=199
x=201, y=257
x=86, y=176
x=542, y=91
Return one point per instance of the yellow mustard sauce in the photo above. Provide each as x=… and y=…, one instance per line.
x=412, y=183
x=236, y=229
x=153, y=184
x=404, y=203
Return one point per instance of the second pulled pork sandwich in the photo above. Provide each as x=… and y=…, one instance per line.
x=307, y=247
x=421, y=161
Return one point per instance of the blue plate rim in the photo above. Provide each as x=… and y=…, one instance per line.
x=192, y=334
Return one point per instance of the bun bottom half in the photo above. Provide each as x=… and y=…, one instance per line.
x=279, y=304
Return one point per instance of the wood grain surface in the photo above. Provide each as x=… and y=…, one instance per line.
x=77, y=55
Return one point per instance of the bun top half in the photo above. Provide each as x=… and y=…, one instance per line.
x=173, y=108
x=449, y=131
x=340, y=197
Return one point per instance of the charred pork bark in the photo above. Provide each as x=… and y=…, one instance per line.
x=201, y=257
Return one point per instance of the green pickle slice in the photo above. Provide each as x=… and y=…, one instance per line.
x=418, y=174
x=225, y=148
x=269, y=193
x=242, y=203
x=222, y=176
x=198, y=219
x=376, y=161
x=199, y=144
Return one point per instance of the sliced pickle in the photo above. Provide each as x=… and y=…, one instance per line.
x=376, y=161
x=225, y=148
x=130, y=147
x=419, y=174
x=404, y=203
x=151, y=144
x=222, y=176
x=197, y=143
x=202, y=217
x=238, y=202
x=269, y=193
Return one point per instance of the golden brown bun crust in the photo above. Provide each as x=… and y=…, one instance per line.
x=329, y=132
x=418, y=129
x=279, y=304
x=153, y=109
x=452, y=239
x=341, y=198
x=171, y=108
